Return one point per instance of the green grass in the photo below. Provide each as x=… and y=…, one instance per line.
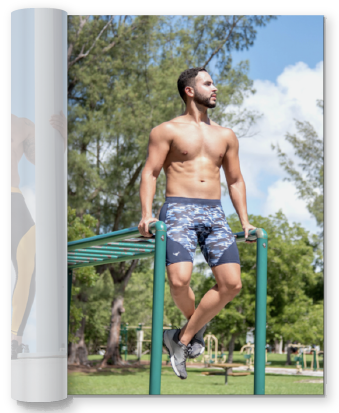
x=136, y=381
x=275, y=360
x=132, y=380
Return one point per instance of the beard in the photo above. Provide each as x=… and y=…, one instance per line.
x=203, y=100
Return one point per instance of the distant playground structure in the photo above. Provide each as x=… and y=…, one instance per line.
x=209, y=357
x=300, y=359
x=249, y=351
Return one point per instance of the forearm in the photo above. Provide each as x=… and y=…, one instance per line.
x=237, y=193
x=147, y=192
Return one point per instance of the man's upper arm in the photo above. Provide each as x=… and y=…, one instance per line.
x=158, y=148
x=29, y=143
x=231, y=164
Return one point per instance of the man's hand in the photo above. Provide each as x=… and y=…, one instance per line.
x=247, y=227
x=143, y=226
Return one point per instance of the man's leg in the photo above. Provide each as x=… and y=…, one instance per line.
x=179, y=276
x=228, y=286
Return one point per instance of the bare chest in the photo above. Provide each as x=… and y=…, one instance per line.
x=191, y=144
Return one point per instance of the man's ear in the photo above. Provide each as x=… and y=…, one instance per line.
x=189, y=91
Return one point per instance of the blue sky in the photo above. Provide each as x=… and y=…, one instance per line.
x=282, y=42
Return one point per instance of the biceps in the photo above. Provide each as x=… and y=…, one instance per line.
x=156, y=156
x=231, y=168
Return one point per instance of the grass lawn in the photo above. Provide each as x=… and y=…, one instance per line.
x=274, y=360
x=136, y=380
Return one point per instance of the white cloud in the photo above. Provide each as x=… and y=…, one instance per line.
x=292, y=96
x=282, y=195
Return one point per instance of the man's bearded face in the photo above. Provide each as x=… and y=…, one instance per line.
x=204, y=100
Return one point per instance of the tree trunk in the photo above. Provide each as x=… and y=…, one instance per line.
x=231, y=348
x=112, y=349
x=120, y=283
x=289, y=351
x=278, y=346
x=78, y=353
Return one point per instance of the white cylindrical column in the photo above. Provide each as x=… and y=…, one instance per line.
x=41, y=375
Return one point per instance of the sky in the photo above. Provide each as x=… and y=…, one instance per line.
x=286, y=65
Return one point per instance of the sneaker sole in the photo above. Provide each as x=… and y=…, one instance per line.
x=169, y=348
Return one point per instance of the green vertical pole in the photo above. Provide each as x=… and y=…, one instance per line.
x=69, y=296
x=315, y=360
x=260, y=313
x=126, y=338
x=158, y=307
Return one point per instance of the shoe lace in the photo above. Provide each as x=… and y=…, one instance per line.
x=187, y=350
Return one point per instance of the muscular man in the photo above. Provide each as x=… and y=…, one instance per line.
x=192, y=148
x=23, y=226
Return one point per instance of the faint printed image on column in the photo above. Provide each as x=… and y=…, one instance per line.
x=23, y=226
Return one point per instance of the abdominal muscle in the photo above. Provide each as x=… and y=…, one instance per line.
x=199, y=178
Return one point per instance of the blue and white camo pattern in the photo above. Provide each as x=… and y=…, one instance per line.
x=190, y=224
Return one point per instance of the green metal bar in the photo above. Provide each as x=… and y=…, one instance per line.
x=82, y=257
x=119, y=259
x=77, y=254
x=158, y=307
x=151, y=240
x=104, y=248
x=132, y=244
x=252, y=235
x=107, y=254
x=260, y=313
x=104, y=238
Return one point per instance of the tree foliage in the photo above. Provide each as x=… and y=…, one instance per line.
x=82, y=277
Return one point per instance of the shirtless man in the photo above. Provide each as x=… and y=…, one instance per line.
x=192, y=148
x=23, y=226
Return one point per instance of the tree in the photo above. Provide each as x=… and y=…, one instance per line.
x=122, y=74
x=289, y=274
x=308, y=177
x=82, y=278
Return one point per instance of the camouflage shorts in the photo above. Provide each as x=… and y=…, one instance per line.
x=192, y=221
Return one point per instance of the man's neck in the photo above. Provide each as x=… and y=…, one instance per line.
x=196, y=114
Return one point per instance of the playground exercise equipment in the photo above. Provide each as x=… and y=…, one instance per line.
x=123, y=346
x=128, y=244
x=301, y=357
x=211, y=358
x=249, y=355
x=250, y=352
x=315, y=359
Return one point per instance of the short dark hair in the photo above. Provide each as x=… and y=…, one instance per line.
x=187, y=78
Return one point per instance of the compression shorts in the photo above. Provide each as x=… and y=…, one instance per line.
x=193, y=220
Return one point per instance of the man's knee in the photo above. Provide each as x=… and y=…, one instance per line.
x=231, y=288
x=179, y=276
x=178, y=283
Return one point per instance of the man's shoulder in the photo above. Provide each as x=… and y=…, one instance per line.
x=165, y=128
x=226, y=132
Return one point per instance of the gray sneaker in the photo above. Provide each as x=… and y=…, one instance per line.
x=197, y=343
x=177, y=351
